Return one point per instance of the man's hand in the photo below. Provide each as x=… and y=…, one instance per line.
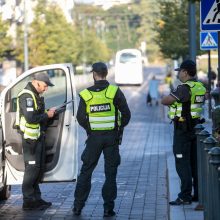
x=51, y=112
x=120, y=135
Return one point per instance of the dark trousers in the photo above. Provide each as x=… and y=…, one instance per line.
x=184, y=149
x=95, y=145
x=34, y=160
x=149, y=99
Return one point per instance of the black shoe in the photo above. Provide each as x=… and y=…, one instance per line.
x=33, y=205
x=43, y=202
x=77, y=211
x=109, y=213
x=179, y=201
x=195, y=199
x=29, y=205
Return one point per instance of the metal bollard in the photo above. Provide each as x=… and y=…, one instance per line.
x=202, y=135
x=216, y=121
x=209, y=143
x=215, y=94
x=198, y=128
x=214, y=187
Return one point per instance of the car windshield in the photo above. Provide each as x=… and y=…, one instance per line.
x=128, y=58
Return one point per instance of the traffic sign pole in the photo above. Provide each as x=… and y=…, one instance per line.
x=209, y=17
x=218, y=57
x=192, y=31
x=209, y=82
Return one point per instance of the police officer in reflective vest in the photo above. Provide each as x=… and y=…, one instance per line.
x=31, y=119
x=102, y=112
x=185, y=108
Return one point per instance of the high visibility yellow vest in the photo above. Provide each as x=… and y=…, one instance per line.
x=100, y=108
x=30, y=131
x=197, y=100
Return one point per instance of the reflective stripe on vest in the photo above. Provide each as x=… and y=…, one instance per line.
x=31, y=131
x=100, y=108
x=197, y=99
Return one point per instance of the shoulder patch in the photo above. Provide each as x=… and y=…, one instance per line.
x=29, y=102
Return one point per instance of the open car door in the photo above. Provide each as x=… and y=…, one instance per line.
x=61, y=135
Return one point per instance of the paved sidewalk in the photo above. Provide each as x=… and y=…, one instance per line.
x=183, y=212
x=186, y=212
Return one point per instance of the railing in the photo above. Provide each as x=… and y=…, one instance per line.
x=208, y=161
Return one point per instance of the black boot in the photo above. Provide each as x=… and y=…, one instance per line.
x=77, y=211
x=109, y=213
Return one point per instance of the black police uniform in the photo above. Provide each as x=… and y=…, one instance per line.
x=96, y=143
x=33, y=150
x=184, y=146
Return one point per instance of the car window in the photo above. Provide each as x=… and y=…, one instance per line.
x=15, y=90
x=54, y=96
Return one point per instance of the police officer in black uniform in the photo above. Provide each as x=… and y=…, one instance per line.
x=186, y=103
x=98, y=141
x=31, y=109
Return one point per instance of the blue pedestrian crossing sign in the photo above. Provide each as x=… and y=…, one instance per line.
x=208, y=40
x=210, y=15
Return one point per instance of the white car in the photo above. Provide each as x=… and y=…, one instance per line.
x=61, y=135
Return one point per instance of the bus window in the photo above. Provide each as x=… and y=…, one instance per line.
x=127, y=57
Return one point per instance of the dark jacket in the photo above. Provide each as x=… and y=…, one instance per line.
x=119, y=102
x=26, y=104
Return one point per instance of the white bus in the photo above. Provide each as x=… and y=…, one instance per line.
x=128, y=67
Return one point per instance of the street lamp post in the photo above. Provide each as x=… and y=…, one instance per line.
x=83, y=45
x=26, y=65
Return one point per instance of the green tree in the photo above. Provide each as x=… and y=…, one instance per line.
x=5, y=40
x=53, y=40
x=50, y=37
x=172, y=28
x=121, y=27
x=89, y=48
x=115, y=27
x=148, y=11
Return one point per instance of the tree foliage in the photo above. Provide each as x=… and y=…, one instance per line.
x=89, y=49
x=148, y=13
x=52, y=40
x=5, y=40
x=121, y=25
x=50, y=37
x=172, y=28
x=116, y=27
x=97, y=34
